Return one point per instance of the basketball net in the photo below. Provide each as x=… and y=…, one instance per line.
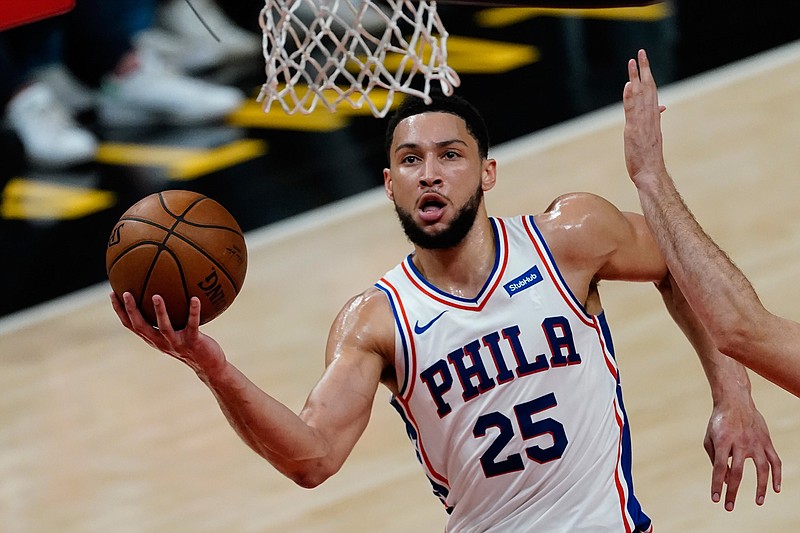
x=331, y=52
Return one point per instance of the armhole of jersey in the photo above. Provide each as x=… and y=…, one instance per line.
x=606, y=331
x=541, y=248
x=402, y=339
x=490, y=286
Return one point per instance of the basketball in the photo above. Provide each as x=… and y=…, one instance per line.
x=177, y=244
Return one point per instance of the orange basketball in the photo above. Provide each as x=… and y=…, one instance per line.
x=177, y=244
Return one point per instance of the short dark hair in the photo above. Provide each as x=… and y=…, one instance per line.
x=455, y=105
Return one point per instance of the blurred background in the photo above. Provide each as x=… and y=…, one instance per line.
x=120, y=98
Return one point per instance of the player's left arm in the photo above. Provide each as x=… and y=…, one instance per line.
x=620, y=246
x=718, y=291
x=736, y=430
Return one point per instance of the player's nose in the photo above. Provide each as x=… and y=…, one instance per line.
x=431, y=176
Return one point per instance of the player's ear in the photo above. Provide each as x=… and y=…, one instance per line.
x=387, y=184
x=489, y=176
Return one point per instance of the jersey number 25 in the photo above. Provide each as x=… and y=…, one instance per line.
x=529, y=428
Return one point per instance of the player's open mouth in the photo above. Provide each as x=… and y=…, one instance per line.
x=431, y=208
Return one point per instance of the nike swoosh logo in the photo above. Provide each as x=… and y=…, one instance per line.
x=419, y=330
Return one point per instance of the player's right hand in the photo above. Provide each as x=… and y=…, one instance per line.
x=189, y=345
x=642, y=135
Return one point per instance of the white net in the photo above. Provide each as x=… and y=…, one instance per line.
x=359, y=52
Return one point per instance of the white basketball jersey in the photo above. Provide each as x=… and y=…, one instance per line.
x=512, y=398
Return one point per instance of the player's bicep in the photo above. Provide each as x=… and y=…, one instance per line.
x=340, y=404
x=634, y=255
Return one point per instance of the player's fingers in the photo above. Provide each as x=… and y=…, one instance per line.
x=718, y=474
x=134, y=315
x=777, y=472
x=734, y=480
x=719, y=470
x=138, y=324
x=162, y=318
x=633, y=71
x=644, y=67
x=762, y=477
x=626, y=95
x=119, y=309
x=194, y=317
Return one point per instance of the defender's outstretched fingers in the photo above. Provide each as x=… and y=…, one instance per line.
x=777, y=469
x=645, y=74
x=719, y=470
x=633, y=71
x=632, y=87
x=762, y=478
x=766, y=461
x=734, y=480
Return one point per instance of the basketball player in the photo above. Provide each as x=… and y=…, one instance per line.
x=492, y=338
x=717, y=290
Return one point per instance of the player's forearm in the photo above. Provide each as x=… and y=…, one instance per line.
x=716, y=289
x=721, y=300
x=270, y=428
x=721, y=296
x=727, y=378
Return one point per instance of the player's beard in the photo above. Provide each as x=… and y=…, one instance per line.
x=450, y=236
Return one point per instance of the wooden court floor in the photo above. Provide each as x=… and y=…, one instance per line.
x=99, y=433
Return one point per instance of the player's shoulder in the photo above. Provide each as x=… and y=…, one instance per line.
x=577, y=212
x=372, y=299
x=365, y=324
x=367, y=315
x=578, y=204
x=368, y=306
x=580, y=224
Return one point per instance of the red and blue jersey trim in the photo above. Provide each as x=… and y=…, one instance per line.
x=633, y=516
x=492, y=282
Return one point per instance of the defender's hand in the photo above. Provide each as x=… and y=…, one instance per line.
x=643, y=140
x=734, y=434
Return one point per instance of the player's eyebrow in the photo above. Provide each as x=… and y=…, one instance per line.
x=439, y=144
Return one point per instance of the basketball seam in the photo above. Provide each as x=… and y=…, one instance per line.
x=193, y=224
x=184, y=283
x=171, y=232
x=188, y=208
x=191, y=206
x=160, y=247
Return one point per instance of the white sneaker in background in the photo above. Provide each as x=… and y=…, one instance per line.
x=181, y=52
x=154, y=93
x=187, y=43
x=66, y=88
x=50, y=136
